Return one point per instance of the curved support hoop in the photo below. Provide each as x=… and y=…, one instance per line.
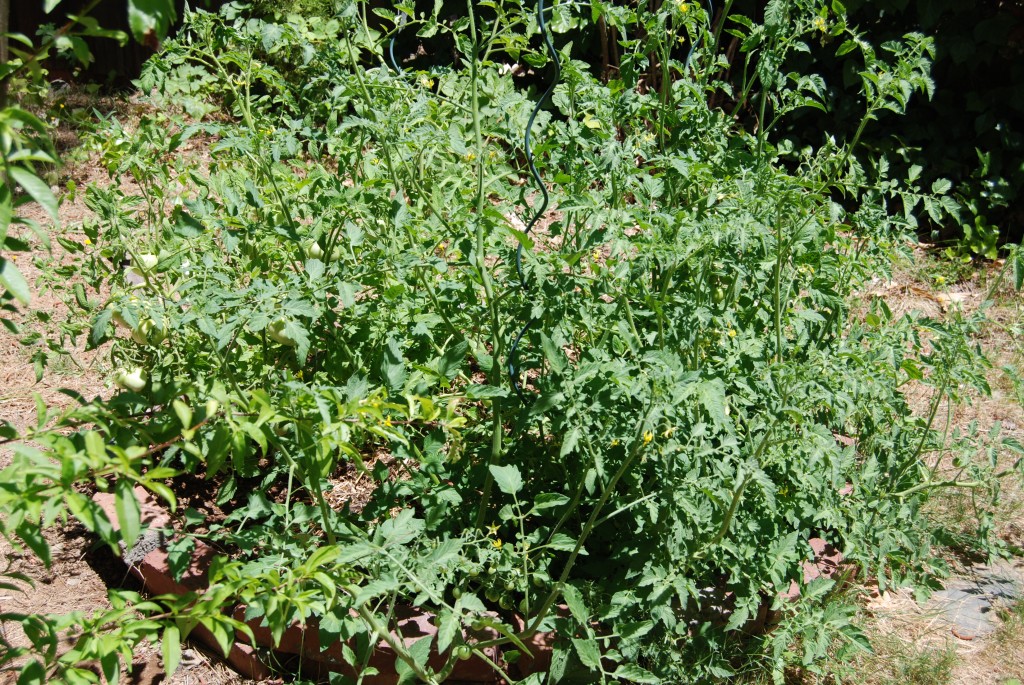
x=539, y=182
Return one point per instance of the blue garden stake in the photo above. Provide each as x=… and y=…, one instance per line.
x=539, y=212
x=534, y=173
x=514, y=348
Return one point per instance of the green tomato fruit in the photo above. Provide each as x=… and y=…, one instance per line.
x=134, y=380
x=148, y=333
x=492, y=594
x=510, y=586
x=505, y=602
x=463, y=652
x=141, y=334
x=457, y=592
x=314, y=251
x=148, y=262
x=118, y=319
x=277, y=333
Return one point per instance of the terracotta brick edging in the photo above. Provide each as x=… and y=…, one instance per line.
x=303, y=640
x=413, y=624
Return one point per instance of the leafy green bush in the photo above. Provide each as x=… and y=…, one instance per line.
x=975, y=115
x=337, y=288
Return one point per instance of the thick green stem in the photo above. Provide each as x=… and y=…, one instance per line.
x=395, y=644
x=777, y=291
x=638, y=446
x=721, y=25
x=481, y=266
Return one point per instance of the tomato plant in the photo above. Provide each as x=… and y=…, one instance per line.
x=342, y=281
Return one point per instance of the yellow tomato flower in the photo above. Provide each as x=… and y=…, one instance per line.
x=648, y=436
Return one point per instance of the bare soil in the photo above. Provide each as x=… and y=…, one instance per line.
x=81, y=572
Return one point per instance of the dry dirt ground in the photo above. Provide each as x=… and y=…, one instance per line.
x=917, y=643
x=907, y=635
x=80, y=574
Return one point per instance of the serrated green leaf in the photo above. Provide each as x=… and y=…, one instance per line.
x=449, y=364
x=588, y=652
x=547, y=500
x=574, y=600
x=485, y=392
x=563, y=543
x=447, y=628
x=183, y=412
x=32, y=673
x=570, y=442
x=110, y=664
x=32, y=536
x=635, y=674
x=221, y=633
x=507, y=479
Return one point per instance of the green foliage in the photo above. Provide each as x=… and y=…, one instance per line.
x=24, y=138
x=337, y=283
x=968, y=136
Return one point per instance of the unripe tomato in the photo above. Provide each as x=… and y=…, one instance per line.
x=134, y=380
x=148, y=333
x=314, y=251
x=277, y=333
x=463, y=652
x=148, y=262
